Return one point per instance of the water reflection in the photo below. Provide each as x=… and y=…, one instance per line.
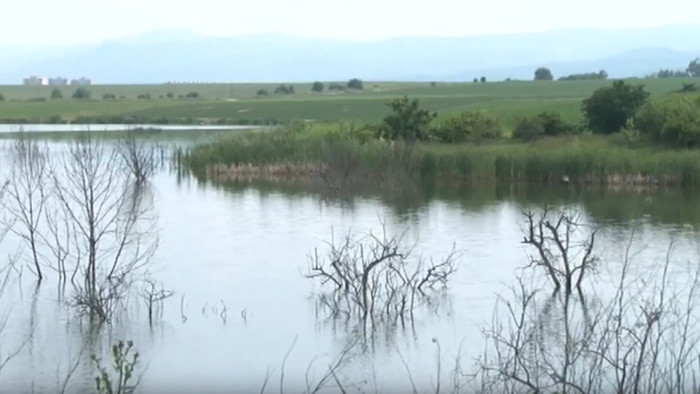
x=235, y=256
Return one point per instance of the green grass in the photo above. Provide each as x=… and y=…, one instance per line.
x=583, y=159
x=506, y=100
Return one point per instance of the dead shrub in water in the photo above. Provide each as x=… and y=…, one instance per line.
x=558, y=243
x=114, y=234
x=138, y=155
x=374, y=278
x=638, y=337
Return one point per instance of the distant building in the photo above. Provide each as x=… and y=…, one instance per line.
x=35, y=81
x=58, y=81
x=81, y=81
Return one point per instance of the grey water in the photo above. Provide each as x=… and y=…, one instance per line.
x=235, y=256
x=63, y=128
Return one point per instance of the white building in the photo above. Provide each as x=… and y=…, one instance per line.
x=36, y=81
x=58, y=81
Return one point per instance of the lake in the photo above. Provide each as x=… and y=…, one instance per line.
x=235, y=256
x=64, y=128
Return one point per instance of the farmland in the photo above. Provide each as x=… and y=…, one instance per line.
x=239, y=103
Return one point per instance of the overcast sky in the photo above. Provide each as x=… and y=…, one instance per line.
x=52, y=22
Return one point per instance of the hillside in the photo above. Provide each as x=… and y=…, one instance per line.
x=185, y=56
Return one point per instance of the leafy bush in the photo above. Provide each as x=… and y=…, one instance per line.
x=170, y=95
x=192, y=95
x=671, y=120
x=109, y=96
x=263, y=92
x=407, y=121
x=317, y=87
x=56, y=94
x=144, y=96
x=355, y=84
x=528, y=129
x=2, y=98
x=284, y=89
x=608, y=109
x=82, y=94
x=468, y=126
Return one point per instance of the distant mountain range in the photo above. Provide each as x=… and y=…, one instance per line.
x=180, y=55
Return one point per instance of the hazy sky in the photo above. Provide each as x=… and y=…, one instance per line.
x=71, y=21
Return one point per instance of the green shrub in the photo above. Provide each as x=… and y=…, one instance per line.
x=317, y=87
x=528, y=129
x=2, y=98
x=608, y=108
x=263, y=92
x=468, y=126
x=407, y=121
x=56, y=94
x=82, y=94
x=671, y=120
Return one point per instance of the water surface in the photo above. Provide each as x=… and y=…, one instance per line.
x=235, y=256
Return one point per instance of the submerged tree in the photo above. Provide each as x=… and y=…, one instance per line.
x=114, y=235
x=27, y=195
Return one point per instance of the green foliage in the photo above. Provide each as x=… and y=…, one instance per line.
x=355, y=84
x=2, y=98
x=317, y=87
x=545, y=124
x=407, y=121
x=192, y=95
x=528, y=129
x=667, y=73
x=483, y=79
x=468, y=126
x=109, y=96
x=123, y=364
x=672, y=120
x=607, y=110
x=543, y=74
x=284, y=89
x=144, y=96
x=688, y=88
x=82, y=94
x=56, y=94
x=602, y=74
x=170, y=95
x=694, y=68
x=262, y=92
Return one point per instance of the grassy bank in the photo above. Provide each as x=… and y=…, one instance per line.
x=239, y=104
x=345, y=155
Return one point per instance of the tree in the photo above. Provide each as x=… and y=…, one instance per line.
x=469, y=126
x=317, y=87
x=263, y=92
x=2, y=98
x=82, y=94
x=284, y=89
x=694, y=68
x=407, y=121
x=483, y=79
x=543, y=74
x=608, y=108
x=170, y=95
x=355, y=84
x=56, y=94
x=27, y=195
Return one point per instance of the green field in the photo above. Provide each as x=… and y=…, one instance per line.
x=237, y=103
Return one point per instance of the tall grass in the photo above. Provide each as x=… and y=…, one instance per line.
x=578, y=159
